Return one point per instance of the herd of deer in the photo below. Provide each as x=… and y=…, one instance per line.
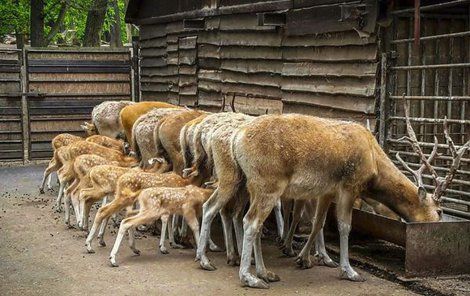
x=190, y=163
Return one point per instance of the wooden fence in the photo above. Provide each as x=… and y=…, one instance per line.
x=52, y=91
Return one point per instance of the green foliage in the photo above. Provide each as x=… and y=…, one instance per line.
x=15, y=18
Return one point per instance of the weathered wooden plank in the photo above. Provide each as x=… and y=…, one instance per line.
x=252, y=90
x=330, y=69
x=344, y=85
x=340, y=102
x=258, y=52
x=242, y=22
x=77, y=77
x=152, y=31
x=261, y=79
x=188, y=42
x=153, y=52
x=252, y=66
x=77, y=87
x=187, y=57
x=172, y=47
x=307, y=3
x=175, y=27
x=254, y=106
x=328, y=39
x=208, y=63
x=187, y=81
x=154, y=43
x=208, y=51
x=172, y=58
x=155, y=62
x=250, y=38
x=333, y=54
x=155, y=87
x=209, y=98
x=159, y=79
x=328, y=113
x=324, y=19
x=154, y=96
x=188, y=90
x=87, y=56
x=187, y=69
x=164, y=71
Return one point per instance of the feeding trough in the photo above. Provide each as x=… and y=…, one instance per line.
x=431, y=248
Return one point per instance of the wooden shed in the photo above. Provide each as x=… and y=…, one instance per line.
x=344, y=59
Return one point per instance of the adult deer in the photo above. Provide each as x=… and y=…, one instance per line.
x=302, y=157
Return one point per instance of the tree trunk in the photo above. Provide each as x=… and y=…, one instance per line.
x=128, y=27
x=37, y=23
x=59, y=21
x=94, y=23
x=117, y=42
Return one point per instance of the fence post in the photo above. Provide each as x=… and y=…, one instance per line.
x=24, y=107
x=383, y=99
x=135, y=69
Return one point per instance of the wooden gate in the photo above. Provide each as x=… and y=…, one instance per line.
x=11, y=128
x=435, y=78
x=63, y=86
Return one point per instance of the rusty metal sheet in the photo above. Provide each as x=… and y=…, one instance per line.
x=441, y=248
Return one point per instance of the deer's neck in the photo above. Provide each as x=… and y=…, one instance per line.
x=392, y=188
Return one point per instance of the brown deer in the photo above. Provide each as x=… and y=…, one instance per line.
x=58, y=141
x=107, y=142
x=166, y=137
x=160, y=203
x=81, y=167
x=101, y=184
x=142, y=142
x=129, y=114
x=68, y=154
x=303, y=157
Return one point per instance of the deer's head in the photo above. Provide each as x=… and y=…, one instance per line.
x=89, y=128
x=429, y=208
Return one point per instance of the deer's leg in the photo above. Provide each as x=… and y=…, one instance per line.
x=279, y=219
x=321, y=255
x=142, y=217
x=58, y=202
x=261, y=270
x=320, y=251
x=262, y=202
x=286, y=212
x=89, y=196
x=193, y=223
x=49, y=181
x=286, y=246
x=344, y=215
x=232, y=256
x=304, y=260
x=47, y=173
x=101, y=232
x=173, y=231
x=101, y=215
x=165, y=225
x=210, y=208
x=238, y=221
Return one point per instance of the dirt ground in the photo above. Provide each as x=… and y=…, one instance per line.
x=40, y=256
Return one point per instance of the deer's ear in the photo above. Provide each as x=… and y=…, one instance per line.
x=422, y=193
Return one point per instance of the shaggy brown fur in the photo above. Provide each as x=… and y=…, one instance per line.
x=142, y=142
x=303, y=157
x=105, y=119
x=129, y=114
x=166, y=137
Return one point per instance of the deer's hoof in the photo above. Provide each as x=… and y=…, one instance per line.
x=215, y=248
x=164, y=251
x=113, y=262
x=233, y=261
x=304, y=262
x=287, y=250
x=269, y=277
x=41, y=190
x=207, y=265
x=254, y=282
x=89, y=249
x=351, y=275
